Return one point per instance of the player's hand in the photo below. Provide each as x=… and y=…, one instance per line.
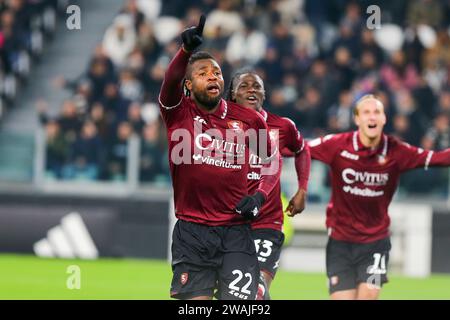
x=297, y=203
x=193, y=37
x=249, y=206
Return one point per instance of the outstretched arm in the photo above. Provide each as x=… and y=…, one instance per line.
x=439, y=158
x=410, y=157
x=171, y=89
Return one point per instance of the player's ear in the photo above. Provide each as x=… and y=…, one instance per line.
x=233, y=95
x=188, y=84
x=356, y=120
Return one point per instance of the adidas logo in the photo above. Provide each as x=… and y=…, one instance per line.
x=70, y=239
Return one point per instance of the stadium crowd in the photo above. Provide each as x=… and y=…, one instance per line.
x=26, y=26
x=315, y=57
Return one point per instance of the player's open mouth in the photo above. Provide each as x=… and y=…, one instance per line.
x=372, y=126
x=213, y=88
x=252, y=99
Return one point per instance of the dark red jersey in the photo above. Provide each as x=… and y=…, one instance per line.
x=208, y=167
x=284, y=133
x=363, y=181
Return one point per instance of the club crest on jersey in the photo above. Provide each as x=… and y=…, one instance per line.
x=381, y=159
x=184, y=278
x=236, y=125
x=334, y=280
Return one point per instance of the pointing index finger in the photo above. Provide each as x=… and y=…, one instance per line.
x=201, y=25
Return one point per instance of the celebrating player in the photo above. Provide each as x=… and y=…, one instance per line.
x=212, y=247
x=365, y=170
x=247, y=89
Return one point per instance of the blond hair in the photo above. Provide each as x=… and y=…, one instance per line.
x=364, y=98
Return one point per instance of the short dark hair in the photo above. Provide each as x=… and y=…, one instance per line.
x=233, y=81
x=199, y=55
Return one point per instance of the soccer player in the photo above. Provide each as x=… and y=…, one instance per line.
x=212, y=248
x=247, y=89
x=365, y=169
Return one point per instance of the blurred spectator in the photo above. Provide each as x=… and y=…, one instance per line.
x=321, y=78
x=443, y=103
x=135, y=118
x=98, y=116
x=85, y=155
x=272, y=67
x=403, y=129
x=24, y=27
x=368, y=44
x=246, y=47
x=398, y=74
x=438, y=136
x=57, y=150
x=406, y=105
x=151, y=159
x=130, y=88
x=282, y=40
x=118, y=152
x=224, y=16
x=310, y=116
x=147, y=43
x=69, y=120
x=427, y=12
x=343, y=68
x=132, y=10
x=120, y=39
x=116, y=105
x=340, y=115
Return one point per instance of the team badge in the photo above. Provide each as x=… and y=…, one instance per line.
x=334, y=280
x=236, y=125
x=184, y=278
x=381, y=159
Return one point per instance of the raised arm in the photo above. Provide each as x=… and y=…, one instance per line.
x=171, y=89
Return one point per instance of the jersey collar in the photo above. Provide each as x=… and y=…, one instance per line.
x=221, y=112
x=264, y=114
x=358, y=146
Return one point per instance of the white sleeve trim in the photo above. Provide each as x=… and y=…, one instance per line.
x=428, y=160
x=168, y=108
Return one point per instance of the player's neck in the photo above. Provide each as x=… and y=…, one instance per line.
x=207, y=108
x=369, y=142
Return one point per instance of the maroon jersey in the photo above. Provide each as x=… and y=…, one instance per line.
x=208, y=180
x=363, y=181
x=284, y=132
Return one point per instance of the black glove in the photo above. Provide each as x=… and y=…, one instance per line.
x=193, y=37
x=249, y=206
